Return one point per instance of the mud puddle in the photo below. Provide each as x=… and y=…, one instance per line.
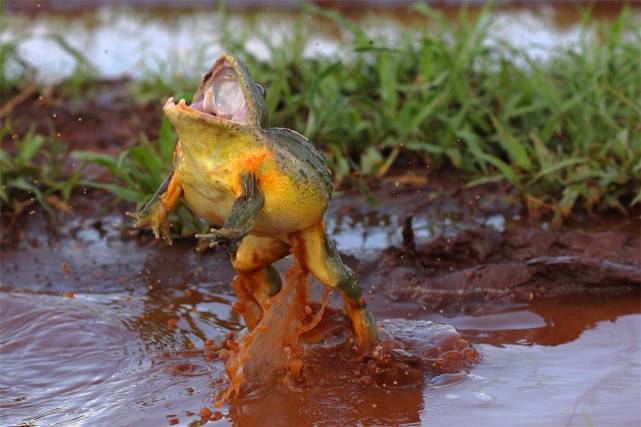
x=99, y=359
x=126, y=344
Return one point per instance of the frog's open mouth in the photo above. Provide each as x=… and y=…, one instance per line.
x=221, y=95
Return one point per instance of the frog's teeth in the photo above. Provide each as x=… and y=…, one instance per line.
x=182, y=101
x=170, y=102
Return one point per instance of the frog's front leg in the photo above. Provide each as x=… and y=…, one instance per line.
x=243, y=216
x=156, y=212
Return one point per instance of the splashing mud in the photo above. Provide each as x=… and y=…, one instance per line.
x=272, y=345
x=299, y=343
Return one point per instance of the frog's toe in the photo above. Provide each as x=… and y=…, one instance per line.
x=163, y=230
x=219, y=238
x=156, y=232
x=167, y=237
x=135, y=216
x=140, y=219
x=213, y=244
x=212, y=237
x=204, y=236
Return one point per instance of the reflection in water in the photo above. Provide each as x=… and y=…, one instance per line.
x=548, y=322
x=376, y=230
x=567, y=319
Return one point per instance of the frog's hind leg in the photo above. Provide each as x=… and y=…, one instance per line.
x=320, y=256
x=257, y=279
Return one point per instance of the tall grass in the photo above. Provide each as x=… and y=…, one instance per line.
x=565, y=132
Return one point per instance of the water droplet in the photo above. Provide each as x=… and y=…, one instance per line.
x=475, y=377
x=485, y=397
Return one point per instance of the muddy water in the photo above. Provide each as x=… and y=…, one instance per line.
x=125, y=349
x=129, y=42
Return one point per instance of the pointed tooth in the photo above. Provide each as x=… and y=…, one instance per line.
x=182, y=101
x=170, y=102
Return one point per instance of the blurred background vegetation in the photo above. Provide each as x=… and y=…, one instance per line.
x=564, y=131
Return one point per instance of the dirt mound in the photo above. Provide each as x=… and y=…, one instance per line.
x=479, y=264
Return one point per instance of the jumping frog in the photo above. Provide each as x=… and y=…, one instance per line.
x=264, y=189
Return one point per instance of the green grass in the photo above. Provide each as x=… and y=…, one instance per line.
x=565, y=133
x=32, y=174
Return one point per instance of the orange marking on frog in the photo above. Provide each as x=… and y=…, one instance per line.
x=177, y=151
x=250, y=165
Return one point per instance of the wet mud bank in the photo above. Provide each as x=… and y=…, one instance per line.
x=102, y=117
x=461, y=264
x=477, y=265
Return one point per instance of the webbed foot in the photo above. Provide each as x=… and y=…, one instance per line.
x=156, y=217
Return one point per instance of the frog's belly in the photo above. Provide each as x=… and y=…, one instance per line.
x=286, y=208
x=210, y=202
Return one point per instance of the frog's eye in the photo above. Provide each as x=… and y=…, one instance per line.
x=261, y=90
x=224, y=97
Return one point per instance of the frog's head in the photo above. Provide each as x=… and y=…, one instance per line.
x=227, y=97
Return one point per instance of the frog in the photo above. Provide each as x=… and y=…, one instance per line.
x=264, y=190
